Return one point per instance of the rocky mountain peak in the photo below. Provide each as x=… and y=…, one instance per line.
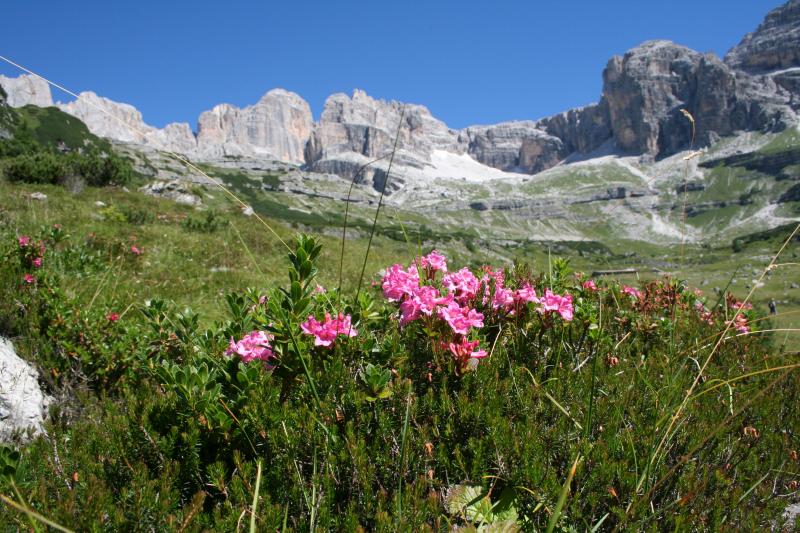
x=277, y=126
x=774, y=45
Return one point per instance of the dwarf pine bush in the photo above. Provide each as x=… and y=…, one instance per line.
x=496, y=398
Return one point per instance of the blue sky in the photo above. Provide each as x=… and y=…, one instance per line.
x=469, y=62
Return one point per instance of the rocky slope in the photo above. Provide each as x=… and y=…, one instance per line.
x=756, y=88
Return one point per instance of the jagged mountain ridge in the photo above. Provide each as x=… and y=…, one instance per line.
x=639, y=112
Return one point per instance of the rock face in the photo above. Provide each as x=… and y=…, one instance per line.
x=775, y=45
x=277, y=127
x=123, y=122
x=646, y=89
x=354, y=131
x=23, y=406
x=581, y=130
x=515, y=147
x=25, y=90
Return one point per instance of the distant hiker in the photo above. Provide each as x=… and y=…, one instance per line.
x=773, y=307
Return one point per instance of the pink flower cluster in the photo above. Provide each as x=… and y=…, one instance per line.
x=253, y=346
x=454, y=301
x=705, y=315
x=554, y=303
x=465, y=350
x=326, y=332
x=741, y=324
x=636, y=293
x=33, y=254
x=432, y=263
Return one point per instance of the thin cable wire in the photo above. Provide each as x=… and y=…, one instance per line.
x=144, y=136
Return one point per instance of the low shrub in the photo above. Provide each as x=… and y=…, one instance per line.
x=450, y=397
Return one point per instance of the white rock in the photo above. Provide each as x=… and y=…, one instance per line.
x=276, y=127
x=23, y=405
x=27, y=89
x=123, y=122
x=38, y=196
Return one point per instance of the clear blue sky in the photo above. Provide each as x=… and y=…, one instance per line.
x=469, y=62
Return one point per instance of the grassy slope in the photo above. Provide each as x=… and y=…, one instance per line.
x=195, y=268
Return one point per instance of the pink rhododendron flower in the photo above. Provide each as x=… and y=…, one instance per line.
x=526, y=293
x=112, y=317
x=741, y=305
x=37, y=262
x=631, y=291
x=253, y=346
x=135, y=250
x=461, y=318
x=28, y=279
x=490, y=275
x=319, y=289
x=503, y=299
x=465, y=350
x=740, y=323
x=590, y=285
x=24, y=241
x=552, y=302
x=462, y=284
x=423, y=301
x=398, y=283
x=433, y=262
x=409, y=311
x=705, y=315
x=325, y=332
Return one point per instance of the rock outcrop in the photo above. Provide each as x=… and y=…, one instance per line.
x=23, y=405
x=27, y=90
x=277, y=127
x=353, y=131
x=123, y=122
x=366, y=128
x=515, y=147
x=647, y=88
x=775, y=45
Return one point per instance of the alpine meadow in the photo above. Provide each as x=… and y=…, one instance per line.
x=372, y=321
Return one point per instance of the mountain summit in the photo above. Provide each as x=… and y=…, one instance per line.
x=755, y=88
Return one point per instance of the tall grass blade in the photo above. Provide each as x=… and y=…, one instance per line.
x=255, y=499
x=562, y=498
